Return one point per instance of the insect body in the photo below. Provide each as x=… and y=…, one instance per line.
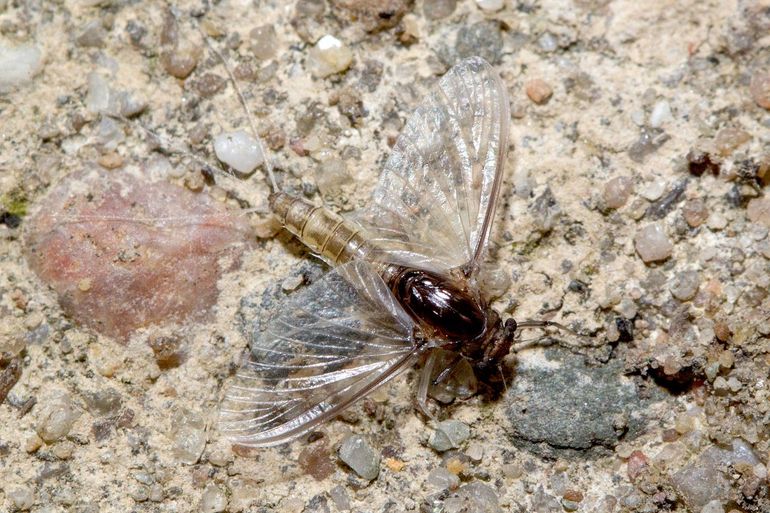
x=405, y=280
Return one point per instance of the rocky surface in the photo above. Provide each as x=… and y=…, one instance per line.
x=634, y=211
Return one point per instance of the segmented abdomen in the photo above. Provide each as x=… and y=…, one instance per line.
x=326, y=233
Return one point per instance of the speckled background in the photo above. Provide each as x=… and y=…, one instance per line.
x=663, y=102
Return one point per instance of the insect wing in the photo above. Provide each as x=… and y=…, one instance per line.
x=332, y=343
x=436, y=197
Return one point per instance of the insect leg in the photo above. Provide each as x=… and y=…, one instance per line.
x=422, y=389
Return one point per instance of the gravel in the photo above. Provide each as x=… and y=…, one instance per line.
x=356, y=452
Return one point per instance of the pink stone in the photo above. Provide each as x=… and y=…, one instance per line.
x=123, y=253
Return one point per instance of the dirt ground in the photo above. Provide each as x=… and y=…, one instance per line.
x=635, y=210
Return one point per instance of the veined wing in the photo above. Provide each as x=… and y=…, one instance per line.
x=435, y=201
x=332, y=343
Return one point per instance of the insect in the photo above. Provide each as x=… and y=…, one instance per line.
x=405, y=277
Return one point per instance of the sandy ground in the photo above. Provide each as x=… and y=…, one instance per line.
x=636, y=87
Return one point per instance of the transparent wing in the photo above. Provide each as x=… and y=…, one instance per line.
x=434, y=204
x=331, y=344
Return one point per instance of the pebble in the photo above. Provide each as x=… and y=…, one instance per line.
x=449, y=434
x=653, y=190
x=437, y=9
x=169, y=351
x=92, y=35
x=316, y=461
x=759, y=88
x=716, y=221
x=617, y=191
x=180, y=61
x=758, y=211
x=703, y=480
x=685, y=285
x=57, y=418
x=357, y=454
x=490, y=5
x=189, y=436
x=264, y=42
x=695, y=212
x=727, y=140
x=652, y=244
x=650, y=139
x=483, y=38
x=124, y=273
x=210, y=84
x=331, y=175
x=22, y=498
x=239, y=150
x=442, y=479
x=713, y=507
x=19, y=65
x=329, y=56
x=538, y=91
x=213, y=500
x=661, y=113
x=475, y=497
x=340, y=498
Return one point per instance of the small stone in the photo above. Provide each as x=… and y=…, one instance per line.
x=637, y=463
x=213, y=500
x=239, y=150
x=704, y=479
x=111, y=160
x=394, y=464
x=716, y=221
x=210, y=84
x=652, y=244
x=684, y=424
x=475, y=452
x=720, y=386
x=19, y=65
x=22, y=498
x=442, y=479
x=685, y=285
x=169, y=351
x=437, y=9
x=57, y=418
x=449, y=434
x=189, y=436
x=475, y=497
x=650, y=139
x=695, y=212
x=713, y=507
x=728, y=140
x=340, y=498
x=758, y=211
x=156, y=493
x=661, y=113
x=617, y=191
x=734, y=384
x=490, y=5
x=104, y=401
x=483, y=38
x=653, y=190
x=264, y=42
x=329, y=56
x=33, y=443
x=316, y=460
x=92, y=35
x=181, y=61
x=357, y=454
x=373, y=15
x=760, y=88
x=331, y=175
x=538, y=91
x=140, y=493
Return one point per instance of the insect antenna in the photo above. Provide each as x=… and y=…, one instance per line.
x=525, y=344
x=242, y=99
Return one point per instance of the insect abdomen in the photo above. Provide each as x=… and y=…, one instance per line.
x=324, y=232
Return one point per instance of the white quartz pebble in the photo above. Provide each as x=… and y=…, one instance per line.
x=239, y=150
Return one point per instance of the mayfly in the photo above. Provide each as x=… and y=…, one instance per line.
x=405, y=280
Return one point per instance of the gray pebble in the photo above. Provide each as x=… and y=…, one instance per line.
x=357, y=454
x=340, y=498
x=437, y=9
x=189, y=436
x=92, y=35
x=685, y=285
x=652, y=244
x=442, y=479
x=449, y=434
x=57, y=418
x=22, y=498
x=482, y=38
x=213, y=500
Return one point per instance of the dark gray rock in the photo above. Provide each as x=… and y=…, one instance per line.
x=483, y=39
x=567, y=408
